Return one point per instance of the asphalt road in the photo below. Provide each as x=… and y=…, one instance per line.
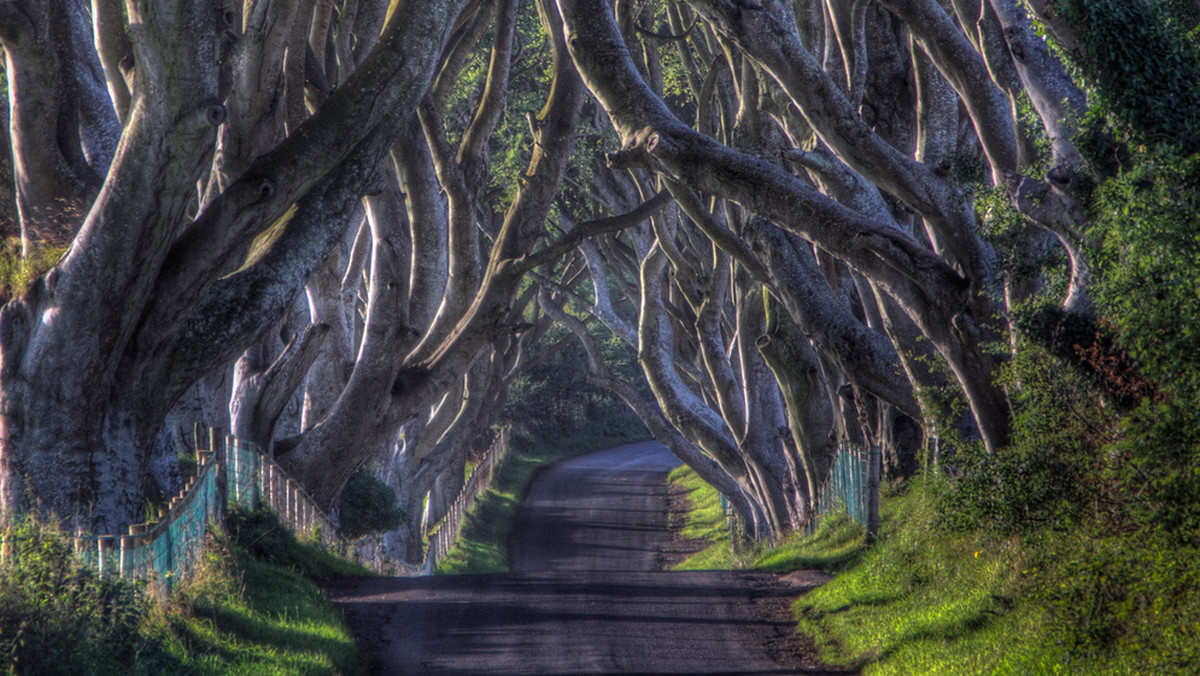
x=586, y=595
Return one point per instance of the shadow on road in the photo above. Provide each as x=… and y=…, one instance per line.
x=586, y=595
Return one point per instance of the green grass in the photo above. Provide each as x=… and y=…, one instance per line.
x=482, y=545
x=923, y=600
x=705, y=521
x=251, y=608
x=926, y=599
x=18, y=272
x=256, y=610
x=836, y=543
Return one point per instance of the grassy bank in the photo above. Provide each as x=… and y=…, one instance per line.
x=482, y=546
x=251, y=609
x=929, y=599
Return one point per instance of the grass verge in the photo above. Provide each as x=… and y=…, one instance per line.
x=252, y=608
x=482, y=545
x=926, y=599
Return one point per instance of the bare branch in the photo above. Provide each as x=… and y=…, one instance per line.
x=600, y=226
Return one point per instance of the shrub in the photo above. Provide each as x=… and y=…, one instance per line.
x=368, y=505
x=59, y=616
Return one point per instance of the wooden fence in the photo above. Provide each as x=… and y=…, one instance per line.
x=167, y=547
x=448, y=528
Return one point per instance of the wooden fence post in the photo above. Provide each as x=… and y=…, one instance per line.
x=100, y=553
x=874, y=470
x=237, y=471
x=216, y=444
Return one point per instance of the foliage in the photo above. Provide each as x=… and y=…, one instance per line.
x=554, y=400
x=1147, y=220
x=58, y=616
x=1008, y=232
x=368, y=505
x=1053, y=469
x=1144, y=66
x=250, y=608
x=1118, y=602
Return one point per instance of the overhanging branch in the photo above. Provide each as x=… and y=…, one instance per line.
x=600, y=226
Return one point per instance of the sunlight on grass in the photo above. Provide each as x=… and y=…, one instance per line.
x=926, y=601
x=250, y=607
x=837, y=542
x=920, y=601
x=706, y=520
x=253, y=610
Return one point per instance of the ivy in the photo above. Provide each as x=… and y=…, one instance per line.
x=1144, y=67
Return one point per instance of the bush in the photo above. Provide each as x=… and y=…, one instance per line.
x=1149, y=222
x=1144, y=65
x=1052, y=472
x=368, y=505
x=58, y=616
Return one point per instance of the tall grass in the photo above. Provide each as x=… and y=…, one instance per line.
x=58, y=616
x=18, y=272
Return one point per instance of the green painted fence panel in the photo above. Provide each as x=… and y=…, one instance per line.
x=846, y=486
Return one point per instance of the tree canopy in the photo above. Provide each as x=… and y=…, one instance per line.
x=342, y=230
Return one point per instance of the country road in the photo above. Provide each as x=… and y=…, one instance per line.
x=586, y=594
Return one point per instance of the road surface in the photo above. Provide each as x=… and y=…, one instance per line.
x=586, y=594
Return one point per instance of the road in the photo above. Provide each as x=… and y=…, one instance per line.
x=586, y=594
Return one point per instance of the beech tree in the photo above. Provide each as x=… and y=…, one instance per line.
x=834, y=155
x=164, y=281
x=794, y=224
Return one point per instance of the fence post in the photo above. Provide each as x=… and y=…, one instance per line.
x=874, y=470
x=215, y=442
x=289, y=504
x=126, y=556
x=262, y=482
x=100, y=553
x=237, y=471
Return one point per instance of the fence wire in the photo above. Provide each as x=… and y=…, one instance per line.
x=847, y=485
x=167, y=547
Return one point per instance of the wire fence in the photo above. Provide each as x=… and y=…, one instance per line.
x=845, y=486
x=167, y=547
x=448, y=528
x=852, y=485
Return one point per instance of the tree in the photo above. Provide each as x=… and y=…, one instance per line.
x=160, y=286
x=818, y=219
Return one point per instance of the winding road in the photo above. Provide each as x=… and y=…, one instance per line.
x=586, y=594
